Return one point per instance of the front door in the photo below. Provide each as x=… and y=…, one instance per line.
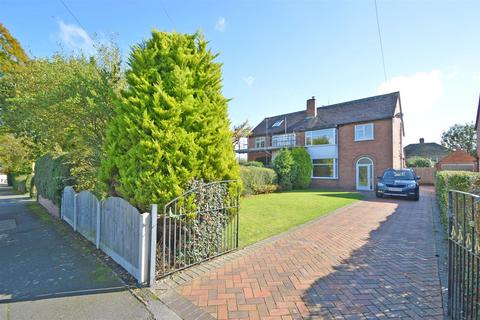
x=364, y=174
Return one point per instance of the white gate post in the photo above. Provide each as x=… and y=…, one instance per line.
x=97, y=234
x=153, y=245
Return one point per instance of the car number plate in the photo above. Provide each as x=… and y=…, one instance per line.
x=395, y=189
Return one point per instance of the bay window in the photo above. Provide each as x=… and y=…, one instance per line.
x=319, y=137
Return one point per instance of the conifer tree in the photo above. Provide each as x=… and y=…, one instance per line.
x=171, y=124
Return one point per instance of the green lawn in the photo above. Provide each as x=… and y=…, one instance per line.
x=265, y=215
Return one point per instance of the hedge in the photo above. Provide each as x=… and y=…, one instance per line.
x=258, y=180
x=454, y=180
x=52, y=174
x=302, y=168
x=20, y=182
x=418, y=162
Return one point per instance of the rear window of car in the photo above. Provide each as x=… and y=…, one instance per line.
x=398, y=175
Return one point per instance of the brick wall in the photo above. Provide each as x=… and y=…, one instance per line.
x=349, y=151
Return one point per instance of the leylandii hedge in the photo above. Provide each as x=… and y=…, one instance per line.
x=52, y=174
x=454, y=180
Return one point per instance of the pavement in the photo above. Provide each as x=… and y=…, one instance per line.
x=46, y=273
x=375, y=259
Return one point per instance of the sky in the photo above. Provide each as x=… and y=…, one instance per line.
x=277, y=54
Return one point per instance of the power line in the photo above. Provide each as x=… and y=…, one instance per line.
x=74, y=17
x=381, y=43
x=166, y=13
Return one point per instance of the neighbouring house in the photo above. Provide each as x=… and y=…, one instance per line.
x=429, y=150
x=458, y=160
x=350, y=143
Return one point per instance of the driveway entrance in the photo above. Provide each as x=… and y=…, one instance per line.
x=373, y=259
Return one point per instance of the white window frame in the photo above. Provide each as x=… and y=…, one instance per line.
x=308, y=134
x=361, y=128
x=335, y=170
x=259, y=140
x=284, y=137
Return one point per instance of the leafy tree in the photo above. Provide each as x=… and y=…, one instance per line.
x=284, y=165
x=241, y=131
x=418, y=162
x=460, y=137
x=171, y=125
x=302, y=168
x=62, y=105
x=11, y=52
x=14, y=156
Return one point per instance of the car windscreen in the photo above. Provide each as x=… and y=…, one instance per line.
x=398, y=175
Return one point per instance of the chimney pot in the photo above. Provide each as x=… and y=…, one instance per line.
x=422, y=140
x=311, y=107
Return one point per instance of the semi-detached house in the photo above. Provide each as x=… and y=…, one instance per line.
x=350, y=143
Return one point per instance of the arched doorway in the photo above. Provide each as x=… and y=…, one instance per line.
x=364, y=169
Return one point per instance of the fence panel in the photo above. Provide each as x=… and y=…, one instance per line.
x=463, y=256
x=87, y=211
x=123, y=235
x=197, y=226
x=427, y=175
x=68, y=205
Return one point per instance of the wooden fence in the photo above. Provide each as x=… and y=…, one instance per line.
x=427, y=175
x=117, y=228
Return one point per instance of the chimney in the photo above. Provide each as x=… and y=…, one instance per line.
x=311, y=108
x=422, y=140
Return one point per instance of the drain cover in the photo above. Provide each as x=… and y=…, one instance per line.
x=7, y=224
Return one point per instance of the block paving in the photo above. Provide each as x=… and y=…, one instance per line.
x=374, y=259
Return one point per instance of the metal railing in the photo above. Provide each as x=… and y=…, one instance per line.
x=284, y=140
x=463, y=256
x=199, y=225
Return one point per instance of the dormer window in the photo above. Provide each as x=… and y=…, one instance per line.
x=277, y=124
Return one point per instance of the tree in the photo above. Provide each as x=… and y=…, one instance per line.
x=11, y=52
x=302, y=168
x=283, y=164
x=14, y=156
x=62, y=105
x=241, y=131
x=171, y=125
x=418, y=162
x=460, y=137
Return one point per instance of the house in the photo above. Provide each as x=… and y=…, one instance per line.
x=458, y=160
x=350, y=143
x=429, y=150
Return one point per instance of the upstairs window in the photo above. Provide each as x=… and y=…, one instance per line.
x=319, y=137
x=283, y=140
x=259, y=142
x=277, y=124
x=364, y=132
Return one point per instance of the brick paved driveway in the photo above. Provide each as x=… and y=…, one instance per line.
x=374, y=259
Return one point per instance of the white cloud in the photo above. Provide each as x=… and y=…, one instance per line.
x=249, y=80
x=419, y=91
x=221, y=24
x=420, y=94
x=476, y=76
x=75, y=37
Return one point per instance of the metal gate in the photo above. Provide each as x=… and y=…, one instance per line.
x=463, y=256
x=199, y=225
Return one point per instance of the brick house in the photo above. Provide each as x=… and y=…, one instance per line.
x=350, y=143
x=428, y=150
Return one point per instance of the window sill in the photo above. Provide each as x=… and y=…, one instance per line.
x=364, y=140
x=324, y=178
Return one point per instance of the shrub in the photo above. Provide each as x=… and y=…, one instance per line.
x=418, y=162
x=254, y=164
x=302, y=168
x=171, y=124
x=20, y=182
x=453, y=180
x=258, y=180
x=52, y=174
x=283, y=164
